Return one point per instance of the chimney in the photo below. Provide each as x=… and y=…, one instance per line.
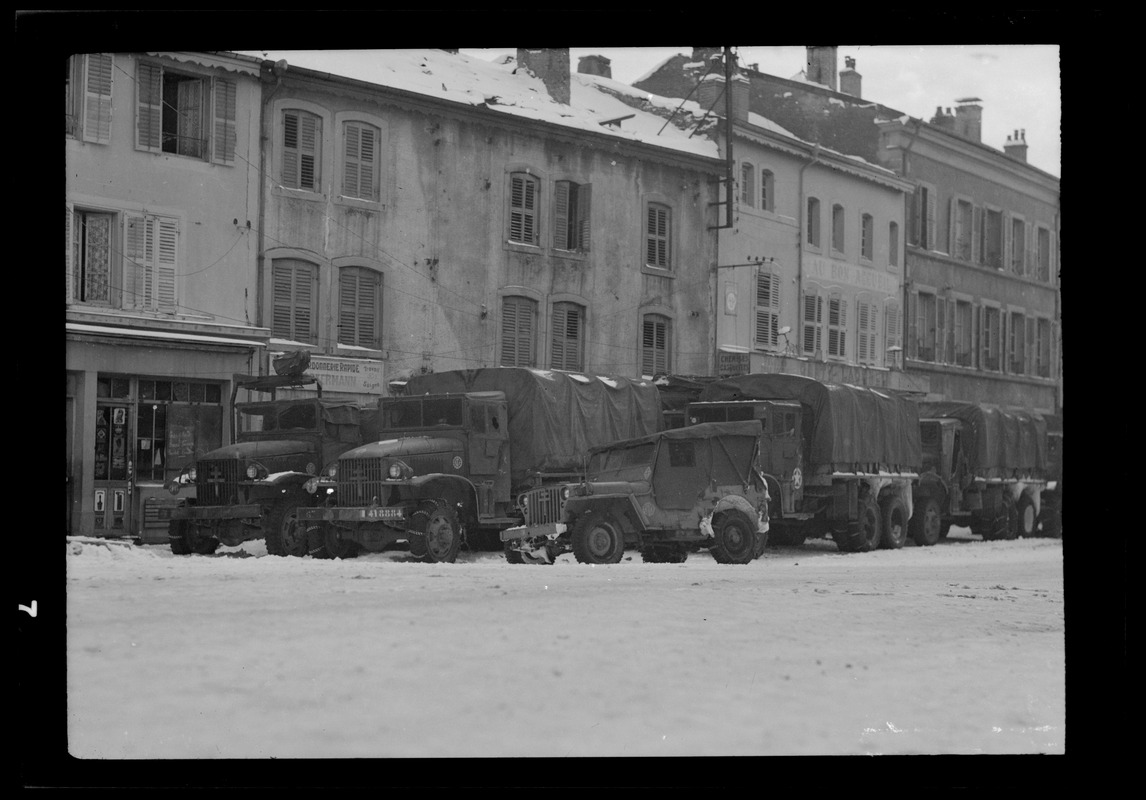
x=946, y=121
x=551, y=64
x=711, y=95
x=1016, y=146
x=969, y=118
x=595, y=65
x=849, y=78
x=822, y=66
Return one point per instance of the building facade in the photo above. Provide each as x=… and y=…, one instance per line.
x=161, y=154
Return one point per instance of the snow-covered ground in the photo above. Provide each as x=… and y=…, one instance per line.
x=957, y=648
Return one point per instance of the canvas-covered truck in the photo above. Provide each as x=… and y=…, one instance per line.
x=458, y=448
x=1050, y=513
x=840, y=459
x=250, y=489
x=668, y=494
x=983, y=468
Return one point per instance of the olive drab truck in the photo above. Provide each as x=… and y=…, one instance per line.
x=669, y=494
x=458, y=449
x=1050, y=514
x=251, y=488
x=840, y=460
x=983, y=468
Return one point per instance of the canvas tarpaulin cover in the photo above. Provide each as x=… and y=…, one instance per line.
x=850, y=425
x=555, y=417
x=996, y=443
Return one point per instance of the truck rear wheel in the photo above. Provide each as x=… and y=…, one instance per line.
x=323, y=541
x=926, y=526
x=1028, y=519
x=894, y=519
x=443, y=536
x=597, y=539
x=282, y=531
x=734, y=537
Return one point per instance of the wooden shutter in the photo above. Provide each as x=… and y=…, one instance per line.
x=864, y=347
x=293, y=296
x=167, y=257
x=1029, y=250
x=358, y=307
x=1031, y=345
x=915, y=228
x=1008, y=261
x=584, y=207
x=913, y=325
x=69, y=253
x=561, y=215
x=97, y=97
x=223, y=141
x=837, y=326
x=767, y=309
x=300, y=150
x=360, y=146
x=566, y=337
x=976, y=235
x=517, y=315
x=139, y=266
x=657, y=237
x=893, y=328
x=952, y=240
x=813, y=317
x=149, y=107
x=951, y=324
x=523, y=209
x=654, y=346
x=931, y=211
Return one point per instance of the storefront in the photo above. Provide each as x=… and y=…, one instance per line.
x=142, y=404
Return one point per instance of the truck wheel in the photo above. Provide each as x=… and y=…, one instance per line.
x=1050, y=519
x=894, y=519
x=1009, y=518
x=442, y=537
x=1028, y=519
x=284, y=536
x=597, y=540
x=926, y=526
x=177, y=537
x=868, y=525
x=323, y=541
x=734, y=537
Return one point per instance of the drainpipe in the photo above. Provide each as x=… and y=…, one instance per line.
x=802, y=212
x=279, y=69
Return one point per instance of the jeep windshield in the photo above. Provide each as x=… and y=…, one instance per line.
x=277, y=417
x=422, y=412
x=622, y=463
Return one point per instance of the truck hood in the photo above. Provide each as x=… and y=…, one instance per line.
x=260, y=450
x=406, y=446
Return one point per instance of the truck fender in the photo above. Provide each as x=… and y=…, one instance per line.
x=903, y=491
x=622, y=508
x=454, y=489
x=742, y=504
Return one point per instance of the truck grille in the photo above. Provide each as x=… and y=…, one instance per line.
x=360, y=479
x=542, y=505
x=217, y=482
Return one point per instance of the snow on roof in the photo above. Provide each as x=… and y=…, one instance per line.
x=500, y=86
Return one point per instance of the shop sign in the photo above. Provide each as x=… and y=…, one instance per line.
x=345, y=374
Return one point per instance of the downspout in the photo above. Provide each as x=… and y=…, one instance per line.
x=279, y=69
x=802, y=213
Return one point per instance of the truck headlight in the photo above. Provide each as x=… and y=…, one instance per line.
x=332, y=470
x=395, y=471
x=252, y=472
x=311, y=486
x=191, y=474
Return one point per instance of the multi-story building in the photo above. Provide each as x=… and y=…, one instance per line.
x=430, y=211
x=161, y=153
x=981, y=287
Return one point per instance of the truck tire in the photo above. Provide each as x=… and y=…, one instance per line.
x=323, y=541
x=1050, y=518
x=284, y=536
x=926, y=526
x=443, y=536
x=865, y=533
x=185, y=539
x=1010, y=518
x=894, y=520
x=597, y=539
x=1028, y=519
x=734, y=537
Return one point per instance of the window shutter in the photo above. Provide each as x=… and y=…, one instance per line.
x=517, y=314
x=369, y=163
x=1008, y=259
x=351, y=168
x=915, y=228
x=837, y=326
x=654, y=346
x=166, y=263
x=952, y=241
x=951, y=324
x=913, y=325
x=561, y=215
x=584, y=206
x=97, y=97
x=293, y=295
x=931, y=244
x=69, y=258
x=976, y=235
x=139, y=255
x=566, y=338
x=148, y=108
x=813, y=316
x=358, y=307
x=308, y=152
x=893, y=331
x=224, y=97
x=290, y=150
x=1029, y=250
x=767, y=309
x=523, y=199
x=863, y=336
x=1031, y=346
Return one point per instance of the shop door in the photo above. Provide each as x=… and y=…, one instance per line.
x=113, y=468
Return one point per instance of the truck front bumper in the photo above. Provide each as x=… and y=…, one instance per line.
x=359, y=514
x=214, y=513
x=530, y=532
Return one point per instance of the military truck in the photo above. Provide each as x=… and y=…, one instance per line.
x=457, y=449
x=983, y=468
x=1050, y=513
x=840, y=460
x=668, y=494
x=250, y=489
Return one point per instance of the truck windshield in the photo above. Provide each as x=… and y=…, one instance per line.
x=736, y=413
x=622, y=463
x=929, y=440
x=422, y=412
x=268, y=417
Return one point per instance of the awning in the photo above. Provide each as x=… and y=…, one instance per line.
x=80, y=329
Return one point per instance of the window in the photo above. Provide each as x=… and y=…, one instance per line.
x=813, y=222
x=963, y=332
x=767, y=190
x=150, y=255
x=517, y=326
x=867, y=340
x=747, y=184
x=302, y=150
x=837, y=326
x=1044, y=254
x=838, y=228
x=1017, y=352
x=813, y=320
x=360, y=307
x=567, y=340
x=1018, y=255
x=992, y=246
x=523, y=202
x=923, y=217
x=893, y=333
x=657, y=232
x=867, y=236
x=177, y=112
x=360, y=165
x=767, y=309
x=1043, y=349
x=571, y=216
x=925, y=327
x=655, y=355
x=962, y=230
x=989, y=338
x=87, y=109
x=294, y=313
x=89, y=248
x=893, y=244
